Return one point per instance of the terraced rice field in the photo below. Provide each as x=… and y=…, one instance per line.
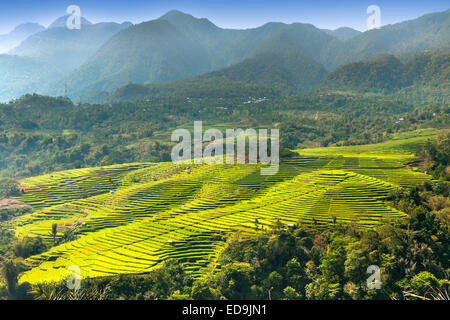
x=131, y=218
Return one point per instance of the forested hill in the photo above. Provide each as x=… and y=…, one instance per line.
x=178, y=46
x=42, y=134
x=272, y=72
x=280, y=73
x=387, y=73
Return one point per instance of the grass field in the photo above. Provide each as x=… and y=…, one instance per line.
x=131, y=218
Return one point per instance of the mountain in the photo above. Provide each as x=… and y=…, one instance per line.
x=101, y=58
x=39, y=62
x=66, y=49
x=61, y=22
x=305, y=39
x=178, y=46
x=154, y=51
x=269, y=73
x=192, y=46
x=431, y=31
x=20, y=75
x=281, y=69
x=343, y=33
x=381, y=72
x=225, y=47
x=21, y=32
x=429, y=66
x=387, y=73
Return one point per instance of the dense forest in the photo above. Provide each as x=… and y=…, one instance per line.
x=41, y=134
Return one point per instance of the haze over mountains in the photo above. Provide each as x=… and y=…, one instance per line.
x=67, y=49
x=48, y=55
x=101, y=58
x=15, y=37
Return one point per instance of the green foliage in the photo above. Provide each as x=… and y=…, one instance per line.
x=343, y=33
x=201, y=290
x=27, y=246
x=10, y=268
x=8, y=188
x=75, y=136
x=422, y=283
x=436, y=155
x=385, y=73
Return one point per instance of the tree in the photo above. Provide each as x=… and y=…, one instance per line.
x=320, y=289
x=291, y=294
x=423, y=283
x=10, y=268
x=8, y=188
x=54, y=232
x=27, y=247
x=235, y=280
x=201, y=290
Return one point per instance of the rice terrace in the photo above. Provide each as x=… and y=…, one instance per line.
x=239, y=158
x=130, y=218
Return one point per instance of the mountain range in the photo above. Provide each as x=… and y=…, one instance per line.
x=20, y=33
x=46, y=56
x=101, y=58
x=67, y=49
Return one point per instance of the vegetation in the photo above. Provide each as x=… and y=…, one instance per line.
x=363, y=182
x=304, y=263
x=42, y=134
x=126, y=219
x=178, y=46
x=386, y=73
x=436, y=155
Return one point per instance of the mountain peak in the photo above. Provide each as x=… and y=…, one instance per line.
x=61, y=22
x=174, y=14
x=179, y=18
x=343, y=33
x=20, y=33
x=27, y=28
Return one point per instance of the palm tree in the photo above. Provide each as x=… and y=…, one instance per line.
x=54, y=232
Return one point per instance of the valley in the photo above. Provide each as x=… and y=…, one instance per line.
x=131, y=218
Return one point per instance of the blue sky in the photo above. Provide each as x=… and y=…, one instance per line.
x=226, y=13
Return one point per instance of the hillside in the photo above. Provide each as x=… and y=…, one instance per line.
x=193, y=46
x=19, y=75
x=343, y=33
x=61, y=22
x=386, y=73
x=429, y=32
x=15, y=37
x=272, y=72
x=285, y=71
x=131, y=218
x=99, y=59
x=67, y=49
x=178, y=46
x=148, y=52
x=39, y=62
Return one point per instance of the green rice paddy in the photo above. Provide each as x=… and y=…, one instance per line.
x=131, y=218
